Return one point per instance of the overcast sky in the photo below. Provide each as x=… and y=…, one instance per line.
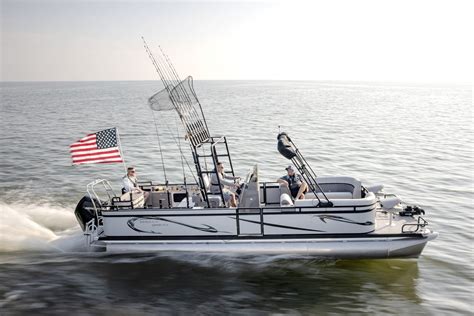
x=374, y=40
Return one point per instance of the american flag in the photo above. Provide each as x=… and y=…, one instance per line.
x=100, y=147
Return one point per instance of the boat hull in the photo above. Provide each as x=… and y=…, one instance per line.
x=341, y=248
x=228, y=223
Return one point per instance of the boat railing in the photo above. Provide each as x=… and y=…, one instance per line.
x=221, y=139
x=249, y=211
x=91, y=232
x=421, y=223
x=259, y=214
x=92, y=191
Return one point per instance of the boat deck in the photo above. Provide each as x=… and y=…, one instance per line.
x=389, y=223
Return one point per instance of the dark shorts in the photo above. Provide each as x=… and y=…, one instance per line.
x=294, y=191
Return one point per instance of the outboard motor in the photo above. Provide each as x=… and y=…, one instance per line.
x=85, y=211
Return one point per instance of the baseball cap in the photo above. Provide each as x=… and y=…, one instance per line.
x=290, y=167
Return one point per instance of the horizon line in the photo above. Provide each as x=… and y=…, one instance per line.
x=433, y=82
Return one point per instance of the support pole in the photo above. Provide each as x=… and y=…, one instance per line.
x=120, y=149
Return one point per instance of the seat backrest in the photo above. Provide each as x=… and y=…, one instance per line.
x=250, y=196
x=138, y=200
x=329, y=195
x=207, y=182
x=341, y=184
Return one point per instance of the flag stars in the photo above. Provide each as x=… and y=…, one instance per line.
x=107, y=138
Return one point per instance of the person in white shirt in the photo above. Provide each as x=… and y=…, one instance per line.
x=226, y=183
x=130, y=183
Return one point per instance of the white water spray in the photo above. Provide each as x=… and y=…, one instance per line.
x=33, y=227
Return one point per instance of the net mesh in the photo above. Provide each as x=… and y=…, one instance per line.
x=183, y=99
x=161, y=101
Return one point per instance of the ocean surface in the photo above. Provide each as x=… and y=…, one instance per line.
x=415, y=139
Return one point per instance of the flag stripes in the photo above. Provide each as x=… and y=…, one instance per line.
x=100, y=147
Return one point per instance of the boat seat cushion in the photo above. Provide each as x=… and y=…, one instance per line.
x=369, y=199
x=341, y=184
x=330, y=195
x=215, y=200
x=138, y=199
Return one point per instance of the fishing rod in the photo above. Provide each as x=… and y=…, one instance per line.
x=172, y=83
x=174, y=73
x=184, y=101
x=159, y=147
x=191, y=109
x=197, y=100
x=163, y=79
x=165, y=76
x=170, y=86
x=169, y=83
x=182, y=155
x=155, y=64
x=202, y=129
x=179, y=97
x=182, y=165
x=167, y=80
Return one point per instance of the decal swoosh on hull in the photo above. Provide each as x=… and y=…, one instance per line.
x=323, y=218
x=205, y=228
x=278, y=225
x=131, y=224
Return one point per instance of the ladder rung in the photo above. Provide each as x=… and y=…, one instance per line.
x=210, y=156
x=202, y=171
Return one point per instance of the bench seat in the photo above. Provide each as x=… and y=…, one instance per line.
x=138, y=200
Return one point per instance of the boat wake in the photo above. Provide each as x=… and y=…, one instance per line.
x=38, y=227
x=236, y=263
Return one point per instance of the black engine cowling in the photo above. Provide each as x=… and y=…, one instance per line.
x=85, y=211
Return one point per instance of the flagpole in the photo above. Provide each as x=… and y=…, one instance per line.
x=120, y=148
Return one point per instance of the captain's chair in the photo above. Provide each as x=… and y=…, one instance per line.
x=250, y=196
x=207, y=182
x=214, y=199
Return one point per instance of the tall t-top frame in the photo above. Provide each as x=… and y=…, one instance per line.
x=179, y=95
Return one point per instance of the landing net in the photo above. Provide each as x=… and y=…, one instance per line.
x=182, y=98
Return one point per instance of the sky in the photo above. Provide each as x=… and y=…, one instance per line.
x=369, y=40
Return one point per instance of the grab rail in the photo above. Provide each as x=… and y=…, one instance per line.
x=91, y=191
x=90, y=231
x=421, y=223
x=261, y=221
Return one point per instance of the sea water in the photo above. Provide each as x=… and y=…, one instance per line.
x=415, y=139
